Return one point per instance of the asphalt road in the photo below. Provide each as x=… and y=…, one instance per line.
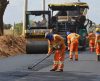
x=15, y=68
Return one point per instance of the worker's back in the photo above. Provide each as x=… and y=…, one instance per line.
x=59, y=39
x=91, y=37
x=73, y=37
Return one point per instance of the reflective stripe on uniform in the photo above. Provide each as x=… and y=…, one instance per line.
x=56, y=62
x=98, y=54
x=98, y=41
x=76, y=52
x=61, y=62
x=50, y=46
x=68, y=41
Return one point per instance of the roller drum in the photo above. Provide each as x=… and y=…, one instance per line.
x=37, y=46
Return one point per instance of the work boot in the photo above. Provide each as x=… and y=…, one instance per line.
x=71, y=59
x=59, y=70
x=76, y=59
x=53, y=70
x=98, y=57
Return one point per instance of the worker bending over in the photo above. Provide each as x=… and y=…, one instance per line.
x=73, y=41
x=91, y=38
x=57, y=45
x=97, y=43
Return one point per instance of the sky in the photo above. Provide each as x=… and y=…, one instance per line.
x=14, y=11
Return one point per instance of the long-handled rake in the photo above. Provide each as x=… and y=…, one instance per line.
x=31, y=67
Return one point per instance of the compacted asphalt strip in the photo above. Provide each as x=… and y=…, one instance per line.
x=16, y=68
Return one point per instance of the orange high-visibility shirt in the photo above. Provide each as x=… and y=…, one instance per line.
x=57, y=40
x=73, y=38
x=97, y=43
x=91, y=37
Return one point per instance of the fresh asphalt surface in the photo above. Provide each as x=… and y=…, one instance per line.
x=15, y=68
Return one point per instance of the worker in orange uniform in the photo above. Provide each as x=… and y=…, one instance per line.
x=91, y=37
x=73, y=41
x=57, y=45
x=97, y=43
x=67, y=33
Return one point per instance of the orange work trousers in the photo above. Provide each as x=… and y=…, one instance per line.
x=73, y=48
x=59, y=59
x=98, y=49
x=92, y=46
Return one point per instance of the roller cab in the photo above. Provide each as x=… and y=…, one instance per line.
x=37, y=25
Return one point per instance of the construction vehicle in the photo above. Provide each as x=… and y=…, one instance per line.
x=37, y=24
x=71, y=16
x=59, y=18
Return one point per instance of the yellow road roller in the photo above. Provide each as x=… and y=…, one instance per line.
x=37, y=24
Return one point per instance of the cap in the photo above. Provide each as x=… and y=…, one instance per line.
x=49, y=36
x=97, y=29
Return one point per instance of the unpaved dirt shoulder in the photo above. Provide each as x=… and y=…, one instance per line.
x=12, y=45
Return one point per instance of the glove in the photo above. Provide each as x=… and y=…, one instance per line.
x=56, y=47
x=48, y=54
x=68, y=48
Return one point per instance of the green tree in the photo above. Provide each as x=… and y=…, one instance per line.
x=3, y=5
x=7, y=26
x=18, y=28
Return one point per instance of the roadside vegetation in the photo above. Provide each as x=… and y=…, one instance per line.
x=12, y=42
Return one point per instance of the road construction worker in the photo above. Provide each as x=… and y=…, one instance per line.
x=67, y=33
x=73, y=41
x=91, y=38
x=57, y=45
x=97, y=43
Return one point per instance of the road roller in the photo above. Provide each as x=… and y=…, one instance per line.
x=37, y=25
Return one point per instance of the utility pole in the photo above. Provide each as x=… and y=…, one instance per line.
x=24, y=16
x=44, y=5
x=79, y=1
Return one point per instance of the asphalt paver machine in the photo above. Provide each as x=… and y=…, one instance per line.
x=70, y=16
x=37, y=24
